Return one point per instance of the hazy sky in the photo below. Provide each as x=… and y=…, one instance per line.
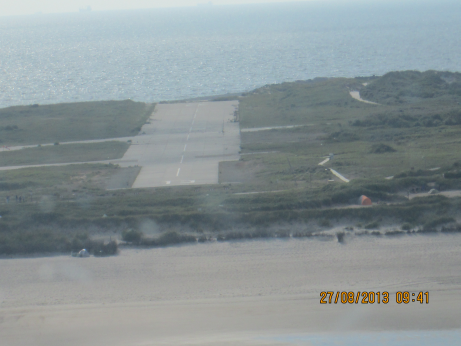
x=19, y=7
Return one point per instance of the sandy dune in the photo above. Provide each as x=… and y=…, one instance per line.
x=245, y=293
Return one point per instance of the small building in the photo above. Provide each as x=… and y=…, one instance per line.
x=364, y=200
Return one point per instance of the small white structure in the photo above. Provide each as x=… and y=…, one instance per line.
x=83, y=253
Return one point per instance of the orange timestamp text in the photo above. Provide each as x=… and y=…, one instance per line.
x=371, y=297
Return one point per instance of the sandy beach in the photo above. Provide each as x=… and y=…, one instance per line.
x=246, y=293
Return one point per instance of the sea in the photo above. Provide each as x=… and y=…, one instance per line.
x=156, y=55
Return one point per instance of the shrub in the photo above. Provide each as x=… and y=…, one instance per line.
x=452, y=175
x=381, y=149
x=340, y=236
x=394, y=233
x=132, y=236
x=100, y=249
x=302, y=234
x=283, y=233
x=437, y=222
x=172, y=237
x=324, y=223
x=372, y=225
x=406, y=226
x=451, y=229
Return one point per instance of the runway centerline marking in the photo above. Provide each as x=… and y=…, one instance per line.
x=159, y=157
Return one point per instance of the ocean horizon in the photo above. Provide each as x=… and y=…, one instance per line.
x=180, y=53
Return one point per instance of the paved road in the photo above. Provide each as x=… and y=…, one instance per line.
x=184, y=143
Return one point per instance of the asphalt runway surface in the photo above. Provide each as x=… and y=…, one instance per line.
x=183, y=143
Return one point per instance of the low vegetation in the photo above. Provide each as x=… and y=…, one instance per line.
x=64, y=153
x=391, y=153
x=51, y=241
x=411, y=86
x=40, y=124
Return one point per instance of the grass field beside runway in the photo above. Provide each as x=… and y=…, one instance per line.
x=64, y=153
x=40, y=124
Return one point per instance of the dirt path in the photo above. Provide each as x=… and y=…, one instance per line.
x=255, y=129
x=356, y=95
x=125, y=163
x=449, y=194
x=20, y=147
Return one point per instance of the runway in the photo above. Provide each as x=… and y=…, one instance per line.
x=183, y=143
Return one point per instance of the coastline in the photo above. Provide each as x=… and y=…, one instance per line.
x=248, y=292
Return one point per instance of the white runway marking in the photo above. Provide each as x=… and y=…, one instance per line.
x=182, y=158
x=185, y=146
x=177, y=173
x=324, y=161
x=168, y=182
x=188, y=136
x=339, y=176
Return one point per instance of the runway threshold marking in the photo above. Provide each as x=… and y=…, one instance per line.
x=177, y=173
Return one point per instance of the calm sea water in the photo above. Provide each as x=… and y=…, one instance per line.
x=167, y=54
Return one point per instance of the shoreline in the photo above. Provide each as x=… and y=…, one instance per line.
x=248, y=292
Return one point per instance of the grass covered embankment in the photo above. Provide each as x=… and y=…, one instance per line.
x=160, y=217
